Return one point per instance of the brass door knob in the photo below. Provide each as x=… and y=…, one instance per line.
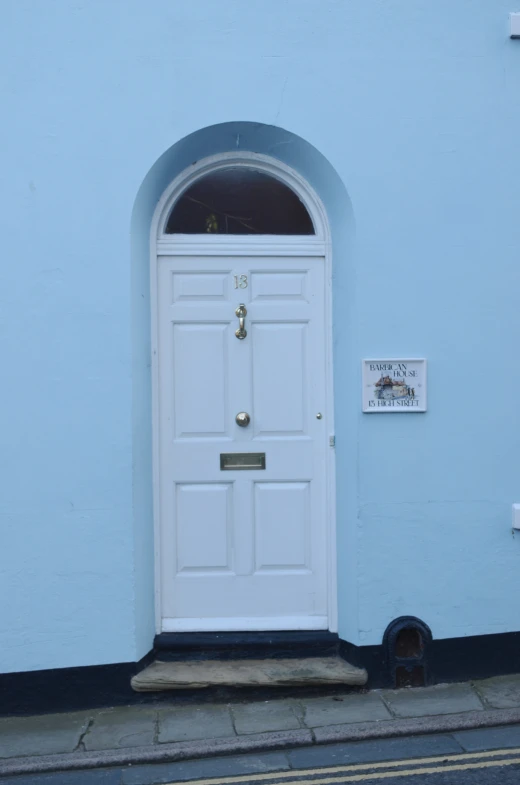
x=242, y=419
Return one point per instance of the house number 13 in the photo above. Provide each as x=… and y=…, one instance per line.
x=240, y=281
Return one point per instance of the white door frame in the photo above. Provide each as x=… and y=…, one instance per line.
x=318, y=244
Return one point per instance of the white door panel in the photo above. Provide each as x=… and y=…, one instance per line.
x=282, y=527
x=278, y=285
x=279, y=399
x=242, y=549
x=204, y=517
x=207, y=343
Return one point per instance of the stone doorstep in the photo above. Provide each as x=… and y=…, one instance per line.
x=248, y=673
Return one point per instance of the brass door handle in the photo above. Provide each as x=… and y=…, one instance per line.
x=241, y=312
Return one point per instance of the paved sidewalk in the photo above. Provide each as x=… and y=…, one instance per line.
x=167, y=732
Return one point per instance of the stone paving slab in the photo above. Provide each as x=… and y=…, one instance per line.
x=437, y=723
x=427, y=701
x=195, y=722
x=273, y=764
x=199, y=769
x=501, y=692
x=344, y=709
x=43, y=735
x=265, y=717
x=128, y=726
x=488, y=738
x=158, y=753
x=160, y=732
x=97, y=777
x=407, y=731
x=367, y=751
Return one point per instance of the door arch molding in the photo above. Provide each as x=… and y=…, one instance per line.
x=318, y=244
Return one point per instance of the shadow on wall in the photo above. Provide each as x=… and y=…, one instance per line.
x=227, y=137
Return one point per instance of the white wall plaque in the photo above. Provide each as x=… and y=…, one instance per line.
x=394, y=386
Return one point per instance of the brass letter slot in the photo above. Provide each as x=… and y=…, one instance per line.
x=242, y=460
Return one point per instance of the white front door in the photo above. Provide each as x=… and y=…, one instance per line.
x=242, y=548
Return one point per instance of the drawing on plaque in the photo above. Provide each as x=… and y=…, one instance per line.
x=394, y=385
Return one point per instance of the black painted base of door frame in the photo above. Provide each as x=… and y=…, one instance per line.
x=245, y=645
x=68, y=689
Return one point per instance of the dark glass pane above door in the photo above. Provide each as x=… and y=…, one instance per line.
x=239, y=201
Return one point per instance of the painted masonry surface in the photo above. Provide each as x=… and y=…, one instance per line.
x=406, y=124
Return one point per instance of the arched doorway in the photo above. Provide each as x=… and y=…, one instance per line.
x=242, y=388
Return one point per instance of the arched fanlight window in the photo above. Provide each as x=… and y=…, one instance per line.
x=239, y=200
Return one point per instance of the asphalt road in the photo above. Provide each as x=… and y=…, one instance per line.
x=502, y=767
x=480, y=757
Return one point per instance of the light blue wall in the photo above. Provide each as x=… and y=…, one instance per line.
x=406, y=118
